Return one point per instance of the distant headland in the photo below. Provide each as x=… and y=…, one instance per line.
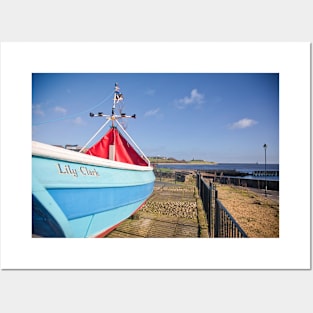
x=165, y=160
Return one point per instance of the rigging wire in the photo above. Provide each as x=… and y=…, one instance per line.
x=74, y=114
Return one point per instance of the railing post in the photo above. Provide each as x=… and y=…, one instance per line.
x=210, y=217
x=217, y=217
x=210, y=196
x=198, y=180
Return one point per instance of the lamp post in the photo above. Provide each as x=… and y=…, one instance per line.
x=265, y=146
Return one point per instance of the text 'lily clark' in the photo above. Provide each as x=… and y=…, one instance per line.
x=83, y=170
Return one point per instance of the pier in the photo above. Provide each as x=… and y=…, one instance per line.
x=254, y=181
x=265, y=173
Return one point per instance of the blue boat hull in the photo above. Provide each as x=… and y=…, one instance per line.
x=84, y=199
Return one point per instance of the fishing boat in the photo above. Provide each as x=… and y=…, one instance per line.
x=90, y=192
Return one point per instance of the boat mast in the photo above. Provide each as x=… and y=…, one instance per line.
x=117, y=97
x=114, y=118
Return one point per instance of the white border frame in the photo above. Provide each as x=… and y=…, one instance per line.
x=290, y=251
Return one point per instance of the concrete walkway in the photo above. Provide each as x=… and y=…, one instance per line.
x=153, y=226
x=170, y=212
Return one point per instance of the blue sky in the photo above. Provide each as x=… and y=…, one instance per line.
x=218, y=117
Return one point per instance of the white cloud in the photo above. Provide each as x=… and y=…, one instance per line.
x=37, y=110
x=243, y=123
x=60, y=110
x=152, y=112
x=79, y=121
x=194, y=98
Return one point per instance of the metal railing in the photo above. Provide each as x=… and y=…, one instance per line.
x=220, y=222
x=227, y=227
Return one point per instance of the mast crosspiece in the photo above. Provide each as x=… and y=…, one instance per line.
x=116, y=99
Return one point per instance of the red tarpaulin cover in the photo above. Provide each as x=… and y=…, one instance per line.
x=124, y=152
